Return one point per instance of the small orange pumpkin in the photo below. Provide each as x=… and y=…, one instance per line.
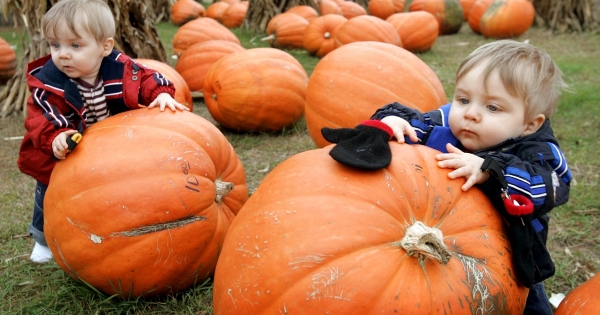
x=148, y=225
x=286, y=31
x=505, y=19
x=259, y=89
x=305, y=11
x=466, y=6
x=384, y=8
x=215, y=10
x=418, y=30
x=366, y=28
x=194, y=62
x=349, y=84
x=329, y=7
x=234, y=15
x=320, y=32
x=448, y=13
x=198, y=30
x=351, y=9
x=318, y=237
x=581, y=300
x=476, y=13
x=8, y=61
x=184, y=11
x=182, y=90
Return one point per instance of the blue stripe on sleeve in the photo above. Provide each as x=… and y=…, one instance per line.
x=532, y=187
x=560, y=164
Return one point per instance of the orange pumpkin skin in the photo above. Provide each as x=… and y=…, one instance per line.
x=366, y=28
x=184, y=11
x=305, y=11
x=351, y=9
x=194, y=62
x=581, y=300
x=349, y=84
x=286, y=31
x=216, y=9
x=234, y=15
x=329, y=7
x=318, y=237
x=320, y=32
x=476, y=13
x=384, y=8
x=418, y=30
x=145, y=226
x=8, y=61
x=466, y=6
x=198, y=30
x=506, y=19
x=259, y=89
x=182, y=90
x=448, y=13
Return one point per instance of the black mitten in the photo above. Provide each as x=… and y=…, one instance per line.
x=365, y=146
x=520, y=235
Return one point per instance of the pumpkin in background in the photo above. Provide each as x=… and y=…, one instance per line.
x=215, y=10
x=318, y=237
x=286, y=31
x=141, y=207
x=418, y=30
x=305, y=11
x=476, y=13
x=448, y=13
x=384, y=8
x=350, y=83
x=183, y=94
x=184, y=11
x=8, y=61
x=507, y=18
x=329, y=7
x=234, y=15
x=230, y=1
x=582, y=300
x=259, y=89
x=194, y=62
x=466, y=7
x=351, y=9
x=198, y=30
x=320, y=32
x=366, y=28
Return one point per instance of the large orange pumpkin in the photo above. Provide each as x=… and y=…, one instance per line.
x=286, y=31
x=366, y=28
x=194, y=62
x=8, y=61
x=141, y=206
x=351, y=82
x=318, y=237
x=234, y=14
x=418, y=30
x=184, y=11
x=582, y=300
x=448, y=13
x=384, y=8
x=507, y=18
x=198, y=30
x=477, y=11
x=329, y=7
x=259, y=89
x=466, y=6
x=320, y=32
x=183, y=94
x=351, y=9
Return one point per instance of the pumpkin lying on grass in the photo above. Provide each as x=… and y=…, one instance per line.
x=141, y=206
x=318, y=237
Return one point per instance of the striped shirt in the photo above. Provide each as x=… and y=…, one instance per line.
x=93, y=99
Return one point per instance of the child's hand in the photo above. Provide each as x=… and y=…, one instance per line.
x=165, y=100
x=60, y=148
x=464, y=164
x=400, y=127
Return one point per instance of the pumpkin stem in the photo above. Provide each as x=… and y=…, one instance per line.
x=269, y=38
x=423, y=242
x=327, y=35
x=223, y=189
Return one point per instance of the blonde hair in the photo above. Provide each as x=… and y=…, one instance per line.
x=525, y=70
x=93, y=16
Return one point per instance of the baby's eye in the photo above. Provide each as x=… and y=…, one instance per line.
x=464, y=101
x=75, y=45
x=493, y=108
x=54, y=45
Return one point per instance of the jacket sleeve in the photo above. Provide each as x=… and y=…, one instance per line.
x=543, y=178
x=423, y=123
x=152, y=83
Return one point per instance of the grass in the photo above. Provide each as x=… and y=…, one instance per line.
x=574, y=240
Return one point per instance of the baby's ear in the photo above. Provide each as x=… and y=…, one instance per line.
x=108, y=46
x=534, y=124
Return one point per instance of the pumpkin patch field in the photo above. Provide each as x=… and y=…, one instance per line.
x=311, y=235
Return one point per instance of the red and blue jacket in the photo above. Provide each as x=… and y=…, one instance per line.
x=55, y=104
